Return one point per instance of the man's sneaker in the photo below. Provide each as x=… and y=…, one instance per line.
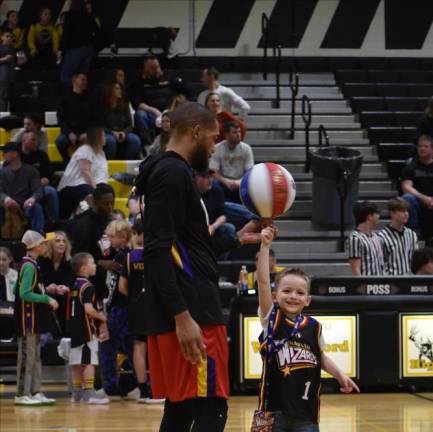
x=26, y=401
x=134, y=394
x=42, y=399
x=92, y=398
x=111, y=395
x=146, y=397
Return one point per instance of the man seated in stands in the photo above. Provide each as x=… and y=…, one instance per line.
x=74, y=116
x=20, y=190
x=230, y=101
x=232, y=158
x=417, y=187
x=151, y=95
x=32, y=155
x=399, y=242
x=33, y=123
x=274, y=269
x=365, y=246
x=422, y=261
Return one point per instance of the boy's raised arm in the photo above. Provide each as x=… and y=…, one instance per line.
x=263, y=277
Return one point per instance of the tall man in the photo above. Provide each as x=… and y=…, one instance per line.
x=188, y=353
x=399, y=242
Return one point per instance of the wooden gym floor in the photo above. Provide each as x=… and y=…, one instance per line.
x=391, y=412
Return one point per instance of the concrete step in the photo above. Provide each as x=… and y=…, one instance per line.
x=328, y=257
x=317, y=92
x=300, y=135
x=364, y=186
x=287, y=111
x=260, y=104
x=253, y=77
x=376, y=175
x=321, y=269
x=359, y=142
x=305, y=246
x=343, y=121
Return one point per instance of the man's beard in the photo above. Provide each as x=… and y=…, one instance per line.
x=199, y=158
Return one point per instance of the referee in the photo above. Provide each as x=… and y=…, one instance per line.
x=365, y=246
x=399, y=242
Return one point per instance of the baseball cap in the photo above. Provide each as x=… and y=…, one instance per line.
x=9, y=147
x=32, y=238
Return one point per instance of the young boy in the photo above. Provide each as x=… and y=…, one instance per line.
x=30, y=303
x=119, y=235
x=82, y=325
x=131, y=284
x=292, y=348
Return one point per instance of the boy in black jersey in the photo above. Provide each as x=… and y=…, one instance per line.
x=131, y=284
x=292, y=349
x=84, y=343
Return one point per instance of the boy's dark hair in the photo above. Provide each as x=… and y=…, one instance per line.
x=138, y=228
x=398, y=204
x=35, y=118
x=420, y=258
x=102, y=189
x=292, y=272
x=212, y=71
x=425, y=137
x=230, y=124
x=79, y=260
x=362, y=210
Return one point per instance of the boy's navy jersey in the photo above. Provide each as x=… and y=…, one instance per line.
x=30, y=317
x=116, y=298
x=81, y=326
x=133, y=271
x=180, y=266
x=294, y=378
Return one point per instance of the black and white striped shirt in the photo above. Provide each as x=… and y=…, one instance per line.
x=367, y=248
x=398, y=248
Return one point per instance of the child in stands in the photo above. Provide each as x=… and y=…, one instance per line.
x=83, y=329
x=30, y=302
x=292, y=350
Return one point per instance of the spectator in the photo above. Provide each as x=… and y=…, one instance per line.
x=8, y=276
x=177, y=101
x=56, y=272
x=160, y=142
x=118, y=76
x=85, y=170
x=231, y=159
x=43, y=40
x=422, y=261
x=33, y=123
x=20, y=188
x=80, y=32
x=365, y=246
x=31, y=155
x=117, y=121
x=11, y=23
x=213, y=103
x=151, y=95
x=417, y=186
x=399, y=242
x=426, y=125
x=230, y=101
x=74, y=116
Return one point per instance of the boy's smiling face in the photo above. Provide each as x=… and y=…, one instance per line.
x=292, y=295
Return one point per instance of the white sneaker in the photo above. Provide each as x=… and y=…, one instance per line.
x=150, y=401
x=133, y=394
x=42, y=399
x=26, y=401
x=92, y=398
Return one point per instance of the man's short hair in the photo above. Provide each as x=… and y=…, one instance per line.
x=7, y=30
x=362, y=210
x=190, y=114
x=420, y=258
x=398, y=204
x=35, y=118
x=148, y=57
x=102, y=189
x=425, y=137
x=79, y=260
x=212, y=71
x=230, y=124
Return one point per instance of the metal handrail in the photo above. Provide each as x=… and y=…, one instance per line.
x=294, y=87
x=276, y=52
x=265, y=39
x=306, y=116
x=323, y=134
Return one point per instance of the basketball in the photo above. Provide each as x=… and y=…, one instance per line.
x=267, y=190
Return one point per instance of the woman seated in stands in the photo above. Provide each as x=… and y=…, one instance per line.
x=43, y=40
x=160, y=142
x=213, y=103
x=57, y=275
x=87, y=167
x=117, y=121
x=118, y=76
x=11, y=23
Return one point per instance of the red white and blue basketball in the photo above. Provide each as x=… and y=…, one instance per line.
x=267, y=190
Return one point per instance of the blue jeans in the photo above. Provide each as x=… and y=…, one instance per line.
x=51, y=203
x=63, y=144
x=237, y=213
x=226, y=229
x=283, y=423
x=144, y=120
x=420, y=217
x=128, y=149
x=35, y=215
x=75, y=61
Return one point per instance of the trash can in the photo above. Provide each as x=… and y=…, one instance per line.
x=335, y=177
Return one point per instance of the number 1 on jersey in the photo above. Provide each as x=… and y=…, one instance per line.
x=307, y=389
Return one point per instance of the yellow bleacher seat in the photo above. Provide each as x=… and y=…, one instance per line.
x=116, y=166
x=5, y=136
x=121, y=190
x=120, y=203
x=53, y=153
x=52, y=133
